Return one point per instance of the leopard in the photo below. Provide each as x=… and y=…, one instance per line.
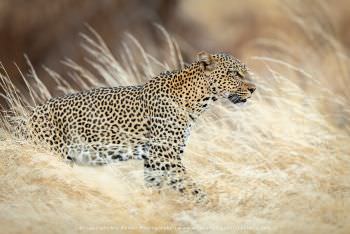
x=149, y=122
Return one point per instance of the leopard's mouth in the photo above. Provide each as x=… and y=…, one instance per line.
x=234, y=98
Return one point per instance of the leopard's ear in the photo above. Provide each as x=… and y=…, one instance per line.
x=206, y=61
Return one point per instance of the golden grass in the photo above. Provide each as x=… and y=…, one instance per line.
x=278, y=164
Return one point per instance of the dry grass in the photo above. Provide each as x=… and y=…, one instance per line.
x=278, y=164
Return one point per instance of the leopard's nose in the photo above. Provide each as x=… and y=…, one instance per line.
x=251, y=89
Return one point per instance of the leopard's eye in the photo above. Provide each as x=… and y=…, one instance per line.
x=240, y=74
x=231, y=72
x=235, y=73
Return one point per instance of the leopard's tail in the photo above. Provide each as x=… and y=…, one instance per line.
x=20, y=128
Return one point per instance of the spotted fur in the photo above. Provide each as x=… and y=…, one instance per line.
x=150, y=122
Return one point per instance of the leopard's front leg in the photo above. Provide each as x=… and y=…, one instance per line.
x=164, y=168
x=168, y=133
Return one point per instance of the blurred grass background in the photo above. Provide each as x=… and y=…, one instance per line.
x=48, y=32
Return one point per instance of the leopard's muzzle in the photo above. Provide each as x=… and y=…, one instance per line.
x=234, y=98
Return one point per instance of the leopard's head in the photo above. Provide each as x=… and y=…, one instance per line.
x=228, y=77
